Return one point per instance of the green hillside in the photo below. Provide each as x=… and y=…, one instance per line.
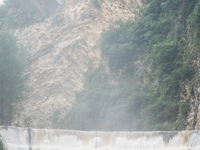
x=150, y=62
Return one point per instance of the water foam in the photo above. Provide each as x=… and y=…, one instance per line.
x=44, y=139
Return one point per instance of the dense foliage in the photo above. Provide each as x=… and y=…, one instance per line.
x=13, y=16
x=2, y=146
x=12, y=65
x=105, y=106
x=146, y=100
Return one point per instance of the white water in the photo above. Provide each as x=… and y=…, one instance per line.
x=36, y=139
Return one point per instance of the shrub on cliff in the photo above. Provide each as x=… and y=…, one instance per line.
x=96, y=3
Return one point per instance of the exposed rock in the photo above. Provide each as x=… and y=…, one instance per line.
x=38, y=8
x=192, y=91
x=61, y=48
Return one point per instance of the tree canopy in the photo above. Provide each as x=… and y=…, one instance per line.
x=12, y=80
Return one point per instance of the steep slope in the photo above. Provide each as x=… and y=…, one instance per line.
x=155, y=64
x=61, y=48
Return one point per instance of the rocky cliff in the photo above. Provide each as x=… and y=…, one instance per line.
x=191, y=92
x=38, y=8
x=61, y=47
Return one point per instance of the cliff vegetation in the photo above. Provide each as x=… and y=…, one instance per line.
x=151, y=61
x=13, y=58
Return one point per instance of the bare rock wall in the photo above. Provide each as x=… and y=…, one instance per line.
x=61, y=47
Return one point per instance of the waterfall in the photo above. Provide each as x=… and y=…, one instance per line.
x=50, y=139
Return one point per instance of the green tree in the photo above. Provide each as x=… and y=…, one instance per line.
x=12, y=65
x=2, y=146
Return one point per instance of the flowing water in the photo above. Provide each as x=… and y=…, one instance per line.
x=44, y=139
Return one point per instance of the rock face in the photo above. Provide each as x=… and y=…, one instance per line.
x=192, y=93
x=61, y=48
x=38, y=8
